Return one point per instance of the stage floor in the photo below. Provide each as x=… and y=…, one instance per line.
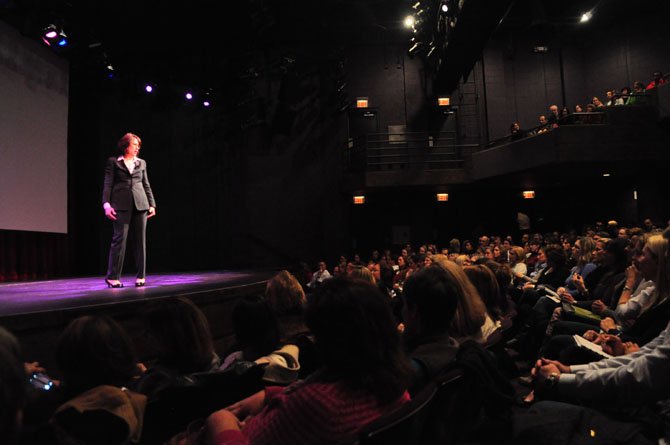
x=30, y=297
x=38, y=311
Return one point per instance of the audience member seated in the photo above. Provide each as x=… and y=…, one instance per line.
x=629, y=391
x=651, y=265
x=12, y=388
x=597, y=103
x=257, y=340
x=319, y=276
x=97, y=362
x=430, y=305
x=638, y=96
x=287, y=301
x=364, y=376
x=484, y=281
x=471, y=321
x=552, y=118
x=178, y=333
x=659, y=79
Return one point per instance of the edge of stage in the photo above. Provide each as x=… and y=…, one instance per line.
x=37, y=311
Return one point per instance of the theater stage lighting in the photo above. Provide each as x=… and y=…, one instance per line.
x=53, y=35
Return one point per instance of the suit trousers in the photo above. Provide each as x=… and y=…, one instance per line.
x=135, y=223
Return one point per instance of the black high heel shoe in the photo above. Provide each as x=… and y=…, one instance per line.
x=139, y=283
x=115, y=286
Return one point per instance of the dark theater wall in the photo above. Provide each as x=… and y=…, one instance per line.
x=608, y=53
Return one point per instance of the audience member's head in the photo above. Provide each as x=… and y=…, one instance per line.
x=582, y=250
x=285, y=295
x=487, y=287
x=555, y=256
x=255, y=327
x=470, y=309
x=654, y=263
x=12, y=388
x=616, y=254
x=180, y=333
x=94, y=351
x=363, y=273
x=357, y=338
x=431, y=297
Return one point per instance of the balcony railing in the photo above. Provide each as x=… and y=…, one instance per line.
x=405, y=151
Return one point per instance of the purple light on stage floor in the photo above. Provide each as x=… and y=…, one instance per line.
x=189, y=96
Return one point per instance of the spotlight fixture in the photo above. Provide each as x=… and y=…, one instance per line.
x=188, y=95
x=586, y=17
x=444, y=7
x=53, y=35
x=149, y=88
x=409, y=21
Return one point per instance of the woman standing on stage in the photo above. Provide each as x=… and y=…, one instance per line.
x=128, y=201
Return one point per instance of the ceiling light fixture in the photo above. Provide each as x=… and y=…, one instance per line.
x=54, y=35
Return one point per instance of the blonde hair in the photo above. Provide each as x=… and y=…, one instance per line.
x=470, y=309
x=439, y=259
x=362, y=273
x=519, y=253
x=658, y=247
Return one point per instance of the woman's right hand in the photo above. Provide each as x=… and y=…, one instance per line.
x=250, y=406
x=110, y=213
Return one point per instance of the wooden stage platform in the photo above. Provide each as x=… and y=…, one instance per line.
x=37, y=311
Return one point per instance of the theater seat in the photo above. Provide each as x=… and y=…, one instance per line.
x=402, y=426
x=195, y=397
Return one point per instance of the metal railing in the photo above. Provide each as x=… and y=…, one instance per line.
x=404, y=151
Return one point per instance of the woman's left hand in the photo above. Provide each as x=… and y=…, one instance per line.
x=152, y=212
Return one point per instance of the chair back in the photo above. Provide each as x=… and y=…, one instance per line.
x=402, y=426
x=194, y=397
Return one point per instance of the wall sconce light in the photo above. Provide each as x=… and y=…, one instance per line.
x=442, y=197
x=443, y=101
x=360, y=199
x=361, y=102
x=529, y=194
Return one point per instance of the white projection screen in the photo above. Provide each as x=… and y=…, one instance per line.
x=33, y=134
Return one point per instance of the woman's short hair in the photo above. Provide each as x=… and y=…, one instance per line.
x=357, y=338
x=519, y=253
x=432, y=292
x=94, y=351
x=182, y=335
x=285, y=295
x=125, y=141
x=555, y=255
